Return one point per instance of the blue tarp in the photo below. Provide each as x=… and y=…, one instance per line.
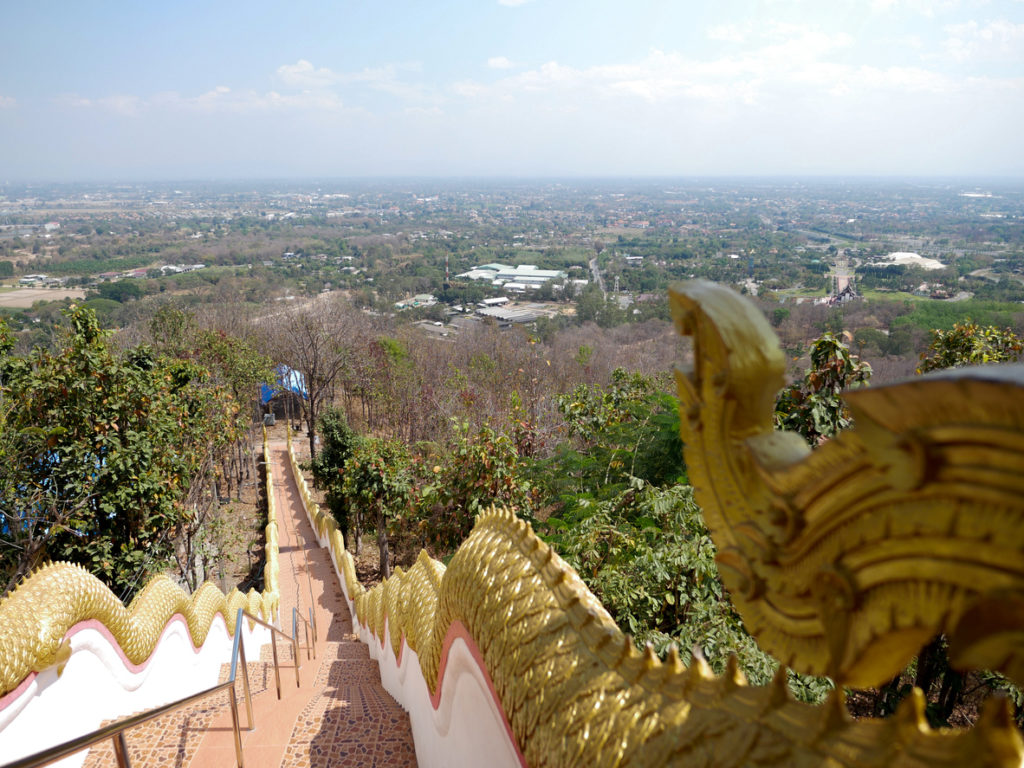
x=287, y=379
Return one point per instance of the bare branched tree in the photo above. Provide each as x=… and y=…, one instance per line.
x=313, y=339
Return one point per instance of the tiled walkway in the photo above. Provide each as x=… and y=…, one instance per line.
x=340, y=716
x=172, y=741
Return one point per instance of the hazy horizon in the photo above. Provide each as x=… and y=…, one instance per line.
x=520, y=89
x=754, y=179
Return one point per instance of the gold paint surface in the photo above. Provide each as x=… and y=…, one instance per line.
x=909, y=525
x=576, y=692
x=36, y=616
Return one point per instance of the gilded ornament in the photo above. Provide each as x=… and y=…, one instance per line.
x=37, y=615
x=818, y=549
x=907, y=526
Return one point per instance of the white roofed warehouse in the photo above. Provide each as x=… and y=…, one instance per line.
x=523, y=274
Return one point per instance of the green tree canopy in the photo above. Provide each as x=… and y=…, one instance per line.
x=106, y=446
x=378, y=486
x=970, y=344
x=813, y=407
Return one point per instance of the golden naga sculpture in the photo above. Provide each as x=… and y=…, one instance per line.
x=843, y=561
x=846, y=560
x=36, y=616
x=576, y=691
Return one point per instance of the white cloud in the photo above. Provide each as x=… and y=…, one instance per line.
x=1000, y=40
x=304, y=87
x=468, y=89
x=224, y=100
x=386, y=79
x=219, y=100
x=121, y=104
x=927, y=8
x=302, y=74
x=728, y=33
x=72, y=100
x=787, y=63
x=6, y=102
x=500, y=62
x=424, y=111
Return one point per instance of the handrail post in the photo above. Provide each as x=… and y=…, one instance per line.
x=236, y=650
x=121, y=751
x=295, y=646
x=277, y=669
x=245, y=677
x=233, y=702
x=312, y=623
x=309, y=647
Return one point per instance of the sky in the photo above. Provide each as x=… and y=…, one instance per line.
x=201, y=89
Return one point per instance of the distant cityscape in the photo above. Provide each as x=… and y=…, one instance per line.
x=444, y=253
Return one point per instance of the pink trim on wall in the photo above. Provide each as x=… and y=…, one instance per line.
x=134, y=668
x=457, y=630
x=12, y=696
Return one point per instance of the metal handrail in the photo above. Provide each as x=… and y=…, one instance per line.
x=307, y=628
x=293, y=639
x=115, y=731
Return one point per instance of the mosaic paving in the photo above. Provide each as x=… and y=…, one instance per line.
x=172, y=740
x=348, y=720
x=353, y=725
x=353, y=721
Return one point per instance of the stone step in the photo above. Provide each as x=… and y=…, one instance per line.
x=339, y=716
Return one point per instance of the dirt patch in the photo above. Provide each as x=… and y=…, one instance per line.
x=241, y=551
x=24, y=298
x=860, y=703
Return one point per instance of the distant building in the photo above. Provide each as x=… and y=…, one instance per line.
x=508, y=316
x=175, y=269
x=843, y=276
x=419, y=300
x=497, y=301
x=524, y=274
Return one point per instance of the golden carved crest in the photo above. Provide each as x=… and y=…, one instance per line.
x=576, y=692
x=846, y=560
x=37, y=615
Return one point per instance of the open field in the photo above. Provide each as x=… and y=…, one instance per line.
x=874, y=295
x=23, y=298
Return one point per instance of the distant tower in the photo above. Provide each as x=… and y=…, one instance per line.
x=616, y=283
x=447, y=279
x=843, y=275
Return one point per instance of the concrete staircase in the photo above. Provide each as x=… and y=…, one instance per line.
x=339, y=716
